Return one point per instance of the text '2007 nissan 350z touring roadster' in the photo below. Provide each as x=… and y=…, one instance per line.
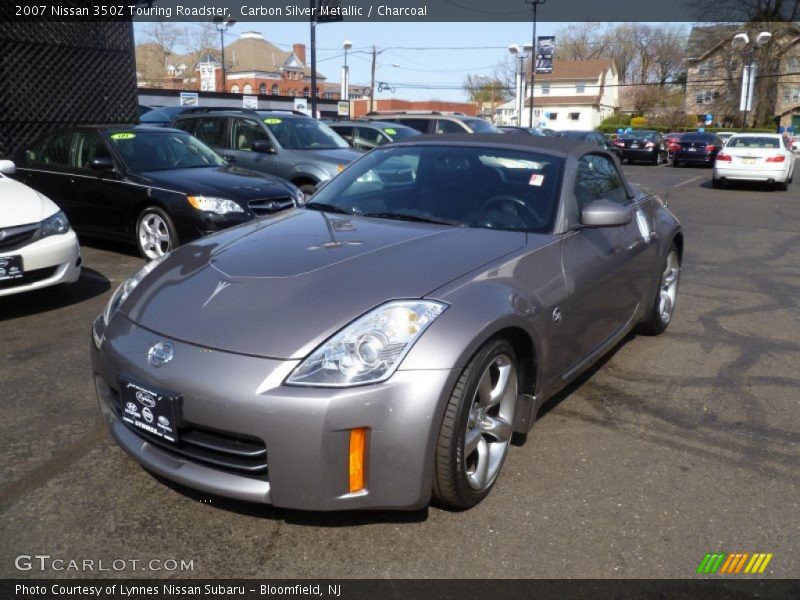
x=379, y=346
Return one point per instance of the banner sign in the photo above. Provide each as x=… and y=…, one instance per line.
x=545, y=48
x=250, y=102
x=189, y=99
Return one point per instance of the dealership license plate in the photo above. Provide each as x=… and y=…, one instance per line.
x=634, y=145
x=692, y=149
x=748, y=161
x=10, y=267
x=150, y=410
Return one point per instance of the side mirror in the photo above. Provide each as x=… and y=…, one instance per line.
x=604, y=213
x=263, y=146
x=7, y=167
x=102, y=163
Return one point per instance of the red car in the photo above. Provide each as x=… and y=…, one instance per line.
x=672, y=142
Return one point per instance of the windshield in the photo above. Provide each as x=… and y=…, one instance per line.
x=300, y=133
x=156, y=151
x=401, y=133
x=697, y=137
x=488, y=188
x=481, y=126
x=753, y=142
x=639, y=135
x=161, y=115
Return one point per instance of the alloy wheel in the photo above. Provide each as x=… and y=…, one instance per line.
x=154, y=238
x=489, y=425
x=668, y=291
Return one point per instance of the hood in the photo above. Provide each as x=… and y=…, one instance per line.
x=338, y=156
x=281, y=286
x=20, y=205
x=224, y=182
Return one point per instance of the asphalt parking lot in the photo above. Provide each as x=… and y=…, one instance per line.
x=672, y=447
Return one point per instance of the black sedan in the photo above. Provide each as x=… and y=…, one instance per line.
x=642, y=146
x=594, y=138
x=156, y=187
x=696, y=149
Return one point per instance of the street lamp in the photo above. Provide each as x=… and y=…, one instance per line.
x=535, y=4
x=222, y=27
x=345, y=91
x=517, y=51
x=741, y=41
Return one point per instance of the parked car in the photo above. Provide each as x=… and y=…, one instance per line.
x=436, y=122
x=671, y=141
x=594, y=138
x=696, y=149
x=154, y=186
x=282, y=143
x=366, y=135
x=725, y=136
x=514, y=130
x=642, y=146
x=754, y=157
x=37, y=245
x=161, y=116
x=380, y=345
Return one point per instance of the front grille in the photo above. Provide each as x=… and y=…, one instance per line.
x=29, y=277
x=12, y=238
x=230, y=452
x=268, y=206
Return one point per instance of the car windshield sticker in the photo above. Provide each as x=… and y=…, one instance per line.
x=391, y=131
x=273, y=121
x=122, y=136
x=537, y=179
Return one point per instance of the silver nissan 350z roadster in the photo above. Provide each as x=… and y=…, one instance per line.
x=380, y=346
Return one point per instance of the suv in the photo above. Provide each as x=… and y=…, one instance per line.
x=287, y=144
x=436, y=122
x=366, y=135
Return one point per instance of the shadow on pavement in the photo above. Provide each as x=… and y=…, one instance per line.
x=90, y=285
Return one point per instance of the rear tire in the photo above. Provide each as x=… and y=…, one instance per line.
x=477, y=427
x=660, y=315
x=782, y=185
x=716, y=183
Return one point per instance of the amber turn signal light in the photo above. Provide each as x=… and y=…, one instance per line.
x=358, y=444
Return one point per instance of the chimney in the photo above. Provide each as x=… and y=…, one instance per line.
x=300, y=51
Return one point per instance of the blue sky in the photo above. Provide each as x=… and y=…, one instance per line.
x=425, y=67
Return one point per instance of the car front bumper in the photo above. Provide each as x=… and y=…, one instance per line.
x=50, y=261
x=305, y=430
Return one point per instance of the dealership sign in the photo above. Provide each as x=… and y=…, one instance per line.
x=545, y=48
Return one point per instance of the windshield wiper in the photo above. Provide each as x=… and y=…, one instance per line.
x=416, y=218
x=332, y=208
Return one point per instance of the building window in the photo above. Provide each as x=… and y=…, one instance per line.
x=262, y=89
x=234, y=89
x=276, y=90
x=706, y=96
x=305, y=93
x=248, y=89
x=705, y=68
x=553, y=116
x=574, y=116
x=793, y=63
x=545, y=88
x=791, y=94
x=328, y=95
x=580, y=87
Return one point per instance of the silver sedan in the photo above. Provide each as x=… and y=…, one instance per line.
x=382, y=345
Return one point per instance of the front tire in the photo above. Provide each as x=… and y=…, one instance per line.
x=155, y=233
x=477, y=427
x=660, y=314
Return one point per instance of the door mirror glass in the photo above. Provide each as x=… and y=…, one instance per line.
x=7, y=167
x=263, y=145
x=604, y=213
x=102, y=163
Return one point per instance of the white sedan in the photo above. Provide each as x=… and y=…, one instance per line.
x=37, y=245
x=754, y=157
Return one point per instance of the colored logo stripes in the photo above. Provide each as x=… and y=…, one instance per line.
x=731, y=564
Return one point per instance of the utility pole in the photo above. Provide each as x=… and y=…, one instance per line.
x=372, y=82
x=313, y=59
x=534, y=52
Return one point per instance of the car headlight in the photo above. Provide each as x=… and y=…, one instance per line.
x=124, y=290
x=54, y=225
x=219, y=206
x=370, y=349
